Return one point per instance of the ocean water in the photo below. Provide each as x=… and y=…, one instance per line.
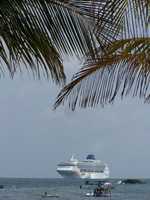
x=32, y=189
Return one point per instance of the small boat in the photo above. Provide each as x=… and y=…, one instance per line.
x=91, y=194
x=45, y=195
x=103, y=190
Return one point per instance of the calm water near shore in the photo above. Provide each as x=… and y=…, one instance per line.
x=32, y=189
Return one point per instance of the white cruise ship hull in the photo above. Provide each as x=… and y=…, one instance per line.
x=69, y=172
x=94, y=176
x=87, y=169
x=75, y=174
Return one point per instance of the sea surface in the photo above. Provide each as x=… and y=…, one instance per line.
x=32, y=189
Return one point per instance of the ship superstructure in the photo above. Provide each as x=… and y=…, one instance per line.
x=90, y=168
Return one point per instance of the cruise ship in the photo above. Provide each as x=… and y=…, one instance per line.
x=90, y=168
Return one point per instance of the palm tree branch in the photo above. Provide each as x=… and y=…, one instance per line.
x=40, y=31
x=124, y=68
x=128, y=18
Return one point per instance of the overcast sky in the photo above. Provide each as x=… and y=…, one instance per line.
x=34, y=139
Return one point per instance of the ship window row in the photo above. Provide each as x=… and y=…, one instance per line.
x=66, y=165
x=91, y=170
x=90, y=165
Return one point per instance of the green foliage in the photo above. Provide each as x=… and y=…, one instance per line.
x=37, y=33
x=122, y=66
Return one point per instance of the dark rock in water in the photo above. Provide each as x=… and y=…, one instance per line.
x=132, y=181
x=86, y=182
x=1, y=186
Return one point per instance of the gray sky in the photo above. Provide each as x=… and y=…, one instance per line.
x=34, y=139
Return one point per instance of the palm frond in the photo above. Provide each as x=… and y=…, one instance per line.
x=125, y=18
x=136, y=19
x=24, y=40
x=124, y=68
x=39, y=32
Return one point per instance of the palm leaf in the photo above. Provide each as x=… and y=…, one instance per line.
x=128, y=18
x=39, y=33
x=123, y=65
x=136, y=19
x=124, y=68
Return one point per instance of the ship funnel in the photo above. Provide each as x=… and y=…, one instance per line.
x=90, y=157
